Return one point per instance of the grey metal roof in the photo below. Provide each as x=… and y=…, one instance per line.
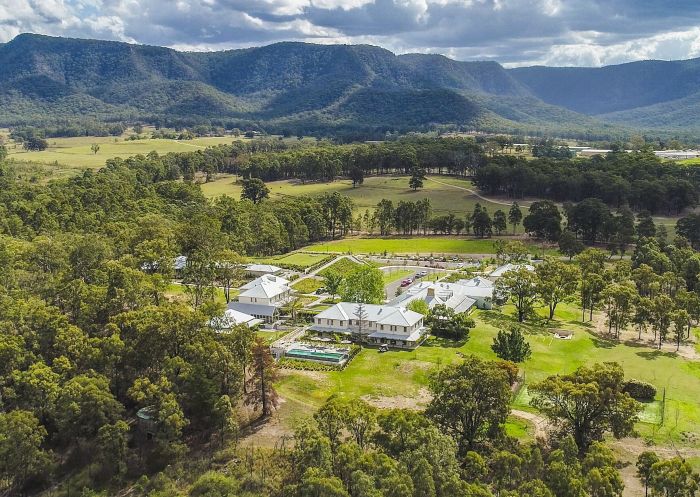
x=253, y=309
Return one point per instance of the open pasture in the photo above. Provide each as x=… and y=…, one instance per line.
x=448, y=195
x=75, y=153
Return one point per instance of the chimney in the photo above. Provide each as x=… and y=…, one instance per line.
x=431, y=292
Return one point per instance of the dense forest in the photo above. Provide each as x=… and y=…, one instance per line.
x=639, y=180
x=100, y=373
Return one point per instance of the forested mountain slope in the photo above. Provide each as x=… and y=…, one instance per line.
x=604, y=90
x=293, y=85
x=318, y=88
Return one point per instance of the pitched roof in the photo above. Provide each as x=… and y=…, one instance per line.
x=264, y=290
x=382, y=314
x=180, y=262
x=231, y=318
x=269, y=278
x=263, y=268
x=443, y=293
x=501, y=270
x=253, y=309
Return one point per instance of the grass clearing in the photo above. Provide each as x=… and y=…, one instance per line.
x=74, y=154
x=342, y=266
x=434, y=245
x=444, y=198
x=394, y=274
x=301, y=259
x=405, y=373
x=307, y=285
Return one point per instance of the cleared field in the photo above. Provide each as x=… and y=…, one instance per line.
x=307, y=285
x=75, y=153
x=433, y=245
x=400, y=377
x=300, y=259
x=342, y=266
x=446, y=196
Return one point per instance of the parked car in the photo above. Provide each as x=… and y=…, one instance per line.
x=422, y=274
x=320, y=291
x=406, y=282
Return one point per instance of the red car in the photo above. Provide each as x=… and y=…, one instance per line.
x=406, y=282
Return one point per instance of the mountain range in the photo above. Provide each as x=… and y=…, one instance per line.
x=312, y=88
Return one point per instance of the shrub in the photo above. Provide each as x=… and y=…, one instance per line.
x=640, y=390
x=511, y=370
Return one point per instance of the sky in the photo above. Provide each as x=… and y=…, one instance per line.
x=512, y=32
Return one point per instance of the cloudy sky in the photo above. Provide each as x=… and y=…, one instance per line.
x=513, y=32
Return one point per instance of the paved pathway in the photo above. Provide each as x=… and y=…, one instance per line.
x=391, y=287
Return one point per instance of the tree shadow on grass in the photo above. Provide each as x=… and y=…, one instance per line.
x=602, y=343
x=655, y=354
x=576, y=322
x=536, y=326
x=444, y=343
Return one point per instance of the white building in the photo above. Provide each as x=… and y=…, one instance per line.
x=451, y=295
x=501, y=270
x=677, y=154
x=479, y=289
x=232, y=318
x=380, y=324
x=268, y=290
x=263, y=297
x=262, y=269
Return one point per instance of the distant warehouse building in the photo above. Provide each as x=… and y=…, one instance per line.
x=677, y=154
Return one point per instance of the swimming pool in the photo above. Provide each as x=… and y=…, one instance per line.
x=318, y=354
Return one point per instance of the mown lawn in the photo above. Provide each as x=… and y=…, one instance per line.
x=434, y=245
x=405, y=373
x=307, y=285
x=396, y=274
x=342, y=266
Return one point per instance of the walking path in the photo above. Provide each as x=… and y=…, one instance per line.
x=475, y=193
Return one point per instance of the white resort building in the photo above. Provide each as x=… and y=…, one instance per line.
x=232, y=318
x=452, y=295
x=263, y=297
x=501, y=270
x=462, y=295
x=262, y=269
x=380, y=324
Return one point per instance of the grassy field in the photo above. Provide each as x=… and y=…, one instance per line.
x=446, y=196
x=397, y=274
x=302, y=259
x=75, y=154
x=308, y=285
x=400, y=377
x=435, y=245
x=342, y=266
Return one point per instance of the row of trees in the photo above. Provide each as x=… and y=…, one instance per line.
x=639, y=180
x=655, y=292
